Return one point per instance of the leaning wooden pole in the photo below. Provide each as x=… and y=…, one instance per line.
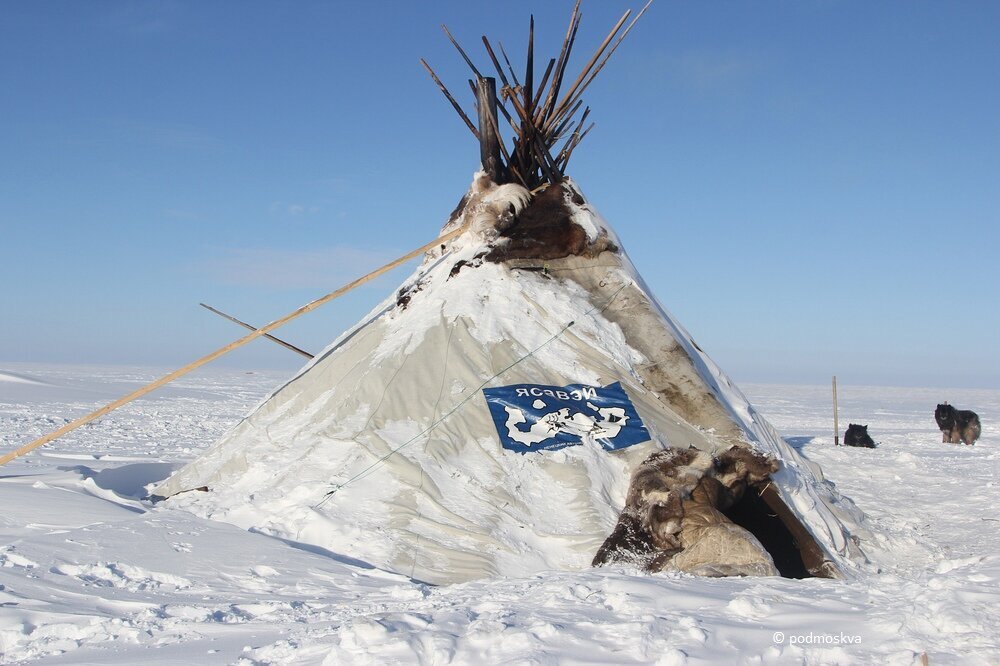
x=286, y=345
x=148, y=388
x=836, y=415
x=489, y=137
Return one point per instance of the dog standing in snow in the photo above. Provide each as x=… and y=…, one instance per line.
x=957, y=425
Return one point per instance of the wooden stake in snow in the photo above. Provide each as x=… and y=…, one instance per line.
x=836, y=416
x=148, y=388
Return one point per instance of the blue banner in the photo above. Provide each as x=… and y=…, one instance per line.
x=533, y=417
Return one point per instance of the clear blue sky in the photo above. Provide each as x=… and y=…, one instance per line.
x=812, y=188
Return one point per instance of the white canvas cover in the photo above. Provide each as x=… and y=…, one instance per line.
x=392, y=418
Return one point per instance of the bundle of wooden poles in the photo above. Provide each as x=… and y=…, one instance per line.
x=546, y=122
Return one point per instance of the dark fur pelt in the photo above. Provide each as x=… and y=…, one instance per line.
x=545, y=230
x=648, y=529
x=957, y=425
x=857, y=435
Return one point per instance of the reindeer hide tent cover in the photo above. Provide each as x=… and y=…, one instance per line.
x=486, y=418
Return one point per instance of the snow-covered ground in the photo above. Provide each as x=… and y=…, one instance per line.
x=92, y=573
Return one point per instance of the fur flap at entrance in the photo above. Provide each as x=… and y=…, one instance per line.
x=673, y=516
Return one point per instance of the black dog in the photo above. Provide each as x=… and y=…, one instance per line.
x=957, y=425
x=857, y=435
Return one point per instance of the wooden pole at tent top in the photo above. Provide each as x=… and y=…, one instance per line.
x=148, y=388
x=836, y=416
x=489, y=138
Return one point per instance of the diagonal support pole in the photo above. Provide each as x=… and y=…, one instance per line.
x=166, y=379
x=286, y=345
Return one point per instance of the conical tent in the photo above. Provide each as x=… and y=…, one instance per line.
x=485, y=419
x=523, y=402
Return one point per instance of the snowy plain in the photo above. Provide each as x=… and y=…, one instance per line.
x=92, y=573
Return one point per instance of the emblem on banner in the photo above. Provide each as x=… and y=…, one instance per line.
x=534, y=417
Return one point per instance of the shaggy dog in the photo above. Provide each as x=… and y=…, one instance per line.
x=673, y=514
x=857, y=435
x=957, y=425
